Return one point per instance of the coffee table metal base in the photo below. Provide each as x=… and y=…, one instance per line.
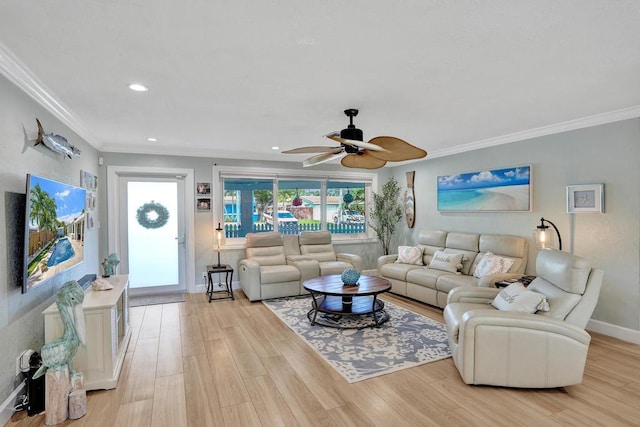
x=330, y=310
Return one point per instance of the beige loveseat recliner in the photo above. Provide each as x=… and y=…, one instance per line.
x=277, y=266
x=515, y=349
x=265, y=272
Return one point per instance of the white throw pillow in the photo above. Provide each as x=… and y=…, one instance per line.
x=492, y=264
x=446, y=262
x=409, y=255
x=516, y=297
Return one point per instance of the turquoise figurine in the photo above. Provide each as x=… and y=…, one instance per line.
x=59, y=353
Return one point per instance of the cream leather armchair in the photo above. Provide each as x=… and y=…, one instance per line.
x=318, y=246
x=514, y=349
x=266, y=273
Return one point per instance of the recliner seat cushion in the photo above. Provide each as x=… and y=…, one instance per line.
x=426, y=276
x=333, y=267
x=397, y=271
x=278, y=273
x=449, y=281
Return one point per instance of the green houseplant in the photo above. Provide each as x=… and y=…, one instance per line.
x=385, y=213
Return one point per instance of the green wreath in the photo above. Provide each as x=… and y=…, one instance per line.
x=145, y=211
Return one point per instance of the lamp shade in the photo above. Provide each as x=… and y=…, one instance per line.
x=545, y=238
x=219, y=238
x=218, y=241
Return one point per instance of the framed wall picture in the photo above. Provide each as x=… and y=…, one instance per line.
x=203, y=204
x=494, y=190
x=203, y=188
x=585, y=198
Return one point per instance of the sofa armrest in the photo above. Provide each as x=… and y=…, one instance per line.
x=353, y=259
x=386, y=259
x=491, y=280
x=524, y=321
x=475, y=295
x=520, y=350
x=249, y=275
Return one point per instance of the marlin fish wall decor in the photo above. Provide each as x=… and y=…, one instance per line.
x=56, y=143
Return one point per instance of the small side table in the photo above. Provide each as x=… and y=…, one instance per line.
x=227, y=291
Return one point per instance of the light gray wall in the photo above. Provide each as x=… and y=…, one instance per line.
x=21, y=320
x=204, y=225
x=608, y=154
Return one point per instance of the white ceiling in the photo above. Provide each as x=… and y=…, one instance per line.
x=234, y=78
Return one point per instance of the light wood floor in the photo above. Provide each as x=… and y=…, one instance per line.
x=233, y=363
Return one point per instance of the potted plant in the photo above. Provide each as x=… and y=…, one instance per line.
x=385, y=213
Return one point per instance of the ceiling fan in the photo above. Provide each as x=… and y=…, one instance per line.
x=358, y=154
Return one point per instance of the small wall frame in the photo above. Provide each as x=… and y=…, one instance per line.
x=585, y=198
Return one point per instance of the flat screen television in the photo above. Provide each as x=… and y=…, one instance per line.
x=54, y=229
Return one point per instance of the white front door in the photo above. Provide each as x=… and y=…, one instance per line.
x=152, y=233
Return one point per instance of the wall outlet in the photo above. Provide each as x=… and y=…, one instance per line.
x=22, y=362
x=204, y=277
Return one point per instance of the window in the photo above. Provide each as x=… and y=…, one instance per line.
x=303, y=201
x=346, y=208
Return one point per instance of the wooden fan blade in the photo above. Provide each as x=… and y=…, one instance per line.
x=397, y=149
x=321, y=158
x=359, y=144
x=313, y=149
x=362, y=161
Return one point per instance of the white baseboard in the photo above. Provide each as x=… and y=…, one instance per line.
x=614, y=331
x=6, y=410
x=201, y=287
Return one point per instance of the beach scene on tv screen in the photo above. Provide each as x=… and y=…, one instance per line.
x=55, y=221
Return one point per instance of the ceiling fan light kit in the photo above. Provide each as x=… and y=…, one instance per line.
x=356, y=153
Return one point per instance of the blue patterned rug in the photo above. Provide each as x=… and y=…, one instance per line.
x=406, y=340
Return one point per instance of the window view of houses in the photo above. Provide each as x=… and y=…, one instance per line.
x=250, y=206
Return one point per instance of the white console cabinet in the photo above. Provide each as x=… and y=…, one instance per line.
x=106, y=315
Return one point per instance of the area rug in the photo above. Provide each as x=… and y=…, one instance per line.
x=155, y=299
x=408, y=339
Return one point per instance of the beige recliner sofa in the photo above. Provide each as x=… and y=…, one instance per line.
x=516, y=349
x=277, y=266
x=432, y=286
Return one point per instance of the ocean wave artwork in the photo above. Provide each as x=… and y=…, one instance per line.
x=506, y=189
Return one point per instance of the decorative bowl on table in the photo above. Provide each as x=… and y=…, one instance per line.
x=350, y=277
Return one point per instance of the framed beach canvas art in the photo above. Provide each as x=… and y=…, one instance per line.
x=497, y=190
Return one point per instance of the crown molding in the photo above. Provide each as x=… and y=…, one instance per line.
x=19, y=74
x=581, y=123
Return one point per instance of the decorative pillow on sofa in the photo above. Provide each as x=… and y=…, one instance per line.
x=446, y=262
x=516, y=297
x=492, y=264
x=409, y=255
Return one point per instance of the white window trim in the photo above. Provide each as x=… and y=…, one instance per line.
x=218, y=172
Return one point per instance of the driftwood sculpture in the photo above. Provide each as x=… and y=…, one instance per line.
x=57, y=357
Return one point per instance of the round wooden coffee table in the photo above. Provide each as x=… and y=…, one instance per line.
x=336, y=300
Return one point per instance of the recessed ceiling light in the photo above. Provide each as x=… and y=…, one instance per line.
x=138, y=87
x=152, y=139
x=275, y=147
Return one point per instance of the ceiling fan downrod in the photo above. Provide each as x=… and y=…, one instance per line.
x=351, y=132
